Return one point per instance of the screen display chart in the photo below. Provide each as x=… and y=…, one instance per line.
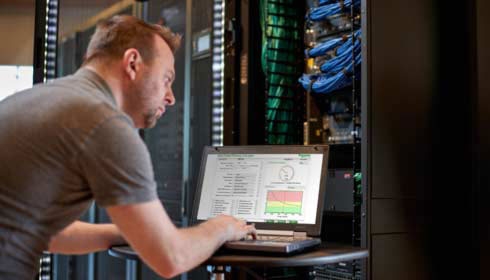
x=268, y=188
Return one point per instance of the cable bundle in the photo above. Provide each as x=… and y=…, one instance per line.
x=325, y=2
x=325, y=83
x=323, y=48
x=348, y=43
x=341, y=43
x=280, y=22
x=336, y=72
x=322, y=12
x=337, y=63
x=336, y=55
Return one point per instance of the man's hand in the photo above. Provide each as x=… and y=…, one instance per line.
x=167, y=250
x=235, y=229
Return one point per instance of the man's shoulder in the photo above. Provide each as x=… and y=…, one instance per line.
x=81, y=97
x=74, y=105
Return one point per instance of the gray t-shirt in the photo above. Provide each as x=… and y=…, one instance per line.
x=63, y=144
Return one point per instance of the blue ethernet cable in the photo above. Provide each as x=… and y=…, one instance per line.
x=324, y=2
x=324, y=84
x=342, y=48
x=327, y=84
x=339, y=62
x=305, y=80
x=322, y=12
x=325, y=47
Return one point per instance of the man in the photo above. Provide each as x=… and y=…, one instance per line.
x=68, y=142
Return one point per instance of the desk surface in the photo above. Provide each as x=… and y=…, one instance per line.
x=327, y=253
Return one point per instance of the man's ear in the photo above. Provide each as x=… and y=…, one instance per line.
x=132, y=62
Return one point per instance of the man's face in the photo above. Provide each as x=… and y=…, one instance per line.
x=154, y=86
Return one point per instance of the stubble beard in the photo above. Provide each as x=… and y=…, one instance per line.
x=151, y=118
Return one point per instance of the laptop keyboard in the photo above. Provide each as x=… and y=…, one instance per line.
x=278, y=238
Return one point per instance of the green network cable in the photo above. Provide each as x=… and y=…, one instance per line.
x=280, y=37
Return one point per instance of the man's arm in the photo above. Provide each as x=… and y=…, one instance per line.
x=83, y=238
x=167, y=250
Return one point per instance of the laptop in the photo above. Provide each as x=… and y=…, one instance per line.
x=279, y=188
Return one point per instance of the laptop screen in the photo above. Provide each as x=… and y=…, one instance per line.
x=262, y=184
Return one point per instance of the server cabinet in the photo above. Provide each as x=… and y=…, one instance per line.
x=481, y=140
x=416, y=166
x=400, y=82
x=414, y=91
x=266, y=59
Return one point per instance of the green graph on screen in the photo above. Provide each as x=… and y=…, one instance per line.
x=284, y=202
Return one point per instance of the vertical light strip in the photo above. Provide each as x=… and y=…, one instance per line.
x=49, y=73
x=50, y=40
x=218, y=72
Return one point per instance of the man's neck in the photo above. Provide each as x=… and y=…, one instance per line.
x=110, y=78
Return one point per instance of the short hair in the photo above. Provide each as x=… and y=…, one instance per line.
x=115, y=35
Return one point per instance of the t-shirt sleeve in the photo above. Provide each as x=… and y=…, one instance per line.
x=117, y=165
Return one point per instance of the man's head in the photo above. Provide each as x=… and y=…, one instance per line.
x=141, y=61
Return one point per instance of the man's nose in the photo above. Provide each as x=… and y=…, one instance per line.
x=170, y=98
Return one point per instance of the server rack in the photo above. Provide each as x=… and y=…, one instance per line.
x=414, y=81
x=274, y=108
x=407, y=100
x=332, y=82
x=46, y=40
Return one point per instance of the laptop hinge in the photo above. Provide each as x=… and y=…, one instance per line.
x=299, y=234
x=275, y=232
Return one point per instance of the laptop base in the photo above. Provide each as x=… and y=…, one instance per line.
x=262, y=246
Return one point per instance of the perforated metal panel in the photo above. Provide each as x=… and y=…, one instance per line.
x=164, y=141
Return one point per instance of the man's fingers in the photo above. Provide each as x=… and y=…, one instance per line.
x=252, y=231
